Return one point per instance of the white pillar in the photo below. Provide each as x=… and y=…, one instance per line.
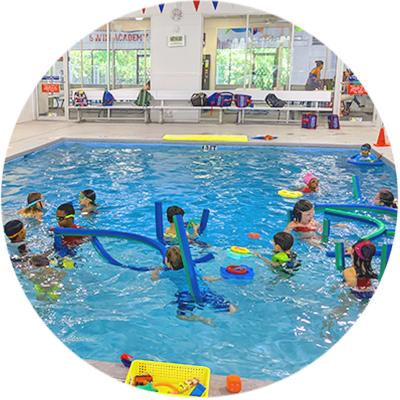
x=338, y=87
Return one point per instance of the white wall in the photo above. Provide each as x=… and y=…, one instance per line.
x=17, y=22
x=28, y=112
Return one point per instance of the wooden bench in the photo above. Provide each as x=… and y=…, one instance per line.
x=124, y=99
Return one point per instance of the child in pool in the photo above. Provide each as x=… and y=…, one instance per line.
x=171, y=230
x=35, y=207
x=65, y=217
x=311, y=182
x=284, y=257
x=358, y=276
x=87, y=201
x=365, y=154
x=304, y=223
x=16, y=232
x=185, y=302
x=385, y=198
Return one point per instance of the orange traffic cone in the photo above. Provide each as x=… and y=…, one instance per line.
x=381, y=139
x=394, y=139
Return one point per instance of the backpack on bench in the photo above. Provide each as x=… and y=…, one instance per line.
x=273, y=101
x=198, y=99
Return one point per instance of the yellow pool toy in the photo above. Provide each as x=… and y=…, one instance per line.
x=240, y=250
x=287, y=193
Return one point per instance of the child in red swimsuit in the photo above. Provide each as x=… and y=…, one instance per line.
x=311, y=182
x=304, y=223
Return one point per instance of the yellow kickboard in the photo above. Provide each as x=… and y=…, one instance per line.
x=208, y=138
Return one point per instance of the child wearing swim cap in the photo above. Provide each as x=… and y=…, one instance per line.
x=186, y=304
x=15, y=231
x=35, y=207
x=365, y=155
x=358, y=276
x=311, y=182
x=284, y=256
x=385, y=198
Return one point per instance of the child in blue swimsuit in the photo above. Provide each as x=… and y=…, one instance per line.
x=365, y=154
x=185, y=301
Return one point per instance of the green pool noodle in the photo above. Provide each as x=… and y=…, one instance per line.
x=326, y=227
x=339, y=256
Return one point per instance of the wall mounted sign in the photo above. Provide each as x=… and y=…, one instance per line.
x=356, y=89
x=50, y=88
x=176, y=41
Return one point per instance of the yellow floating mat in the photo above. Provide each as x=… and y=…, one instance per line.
x=208, y=138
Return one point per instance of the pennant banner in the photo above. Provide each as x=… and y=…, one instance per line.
x=127, y=4
x=93, y=5
x=29, y=4
x=60, y=5
x=45, y=4
x=110, y=5
x=196, y=4
x=143, y=4
x=215, y=4
x=161, y=7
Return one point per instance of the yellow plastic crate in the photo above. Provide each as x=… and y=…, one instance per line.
x=169, y=373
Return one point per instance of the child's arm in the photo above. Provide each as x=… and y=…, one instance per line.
x=209, y=279
x=289, y=228
x=195, y=234
x=155, y=274
x=268, y=262
x=196, y=318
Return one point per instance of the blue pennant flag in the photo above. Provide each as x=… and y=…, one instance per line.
x=161, y=4
x=110, y=5
x=61, y=4
x=215, y=4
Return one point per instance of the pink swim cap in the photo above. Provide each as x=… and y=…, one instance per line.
x=308, y=178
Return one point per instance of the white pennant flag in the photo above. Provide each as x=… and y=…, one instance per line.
x=127, y=4
x=29, y=4
x=77, y=4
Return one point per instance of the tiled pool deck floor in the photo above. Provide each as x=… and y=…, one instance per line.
x=32, y=135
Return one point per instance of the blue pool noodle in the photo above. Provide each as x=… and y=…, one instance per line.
x=159, y=221
x=203, y=222
x=187, y=259
x=331, y=253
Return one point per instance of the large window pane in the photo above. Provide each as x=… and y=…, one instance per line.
x=128, y=54
x=364, y=23
x=315, y=39
x=268, y=52
x=87, y=48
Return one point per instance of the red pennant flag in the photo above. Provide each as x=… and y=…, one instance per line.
x=93, y=5
x=45, y=3
x=143, y=3
x=196, y=5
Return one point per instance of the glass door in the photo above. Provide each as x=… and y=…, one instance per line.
x=50, y=68
x=359, y=80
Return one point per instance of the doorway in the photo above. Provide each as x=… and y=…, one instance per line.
x=49, y=79
x=6, y=80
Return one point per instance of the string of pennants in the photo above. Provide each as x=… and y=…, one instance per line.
x=110, y=4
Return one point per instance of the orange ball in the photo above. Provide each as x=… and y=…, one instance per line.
x=253, y=235
x=233, y=384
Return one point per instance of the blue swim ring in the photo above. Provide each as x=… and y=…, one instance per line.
x=248, y=275
x=365, y=163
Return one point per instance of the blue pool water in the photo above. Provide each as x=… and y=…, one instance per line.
x=282, y=324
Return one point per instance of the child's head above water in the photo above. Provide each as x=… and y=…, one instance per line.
x=365, y=149
x=311, y=180
x=87, y=198
x=303, y=211
x=174, y=210
x=65, y=215
x=283, y=241
x=35, y=201
x=364, y=251
x=15, y=231
x=173, y=258
x=387, y=199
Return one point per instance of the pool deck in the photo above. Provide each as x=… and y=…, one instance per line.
x=44, y=377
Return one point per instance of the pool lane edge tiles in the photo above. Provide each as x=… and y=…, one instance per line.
x=208, y=138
